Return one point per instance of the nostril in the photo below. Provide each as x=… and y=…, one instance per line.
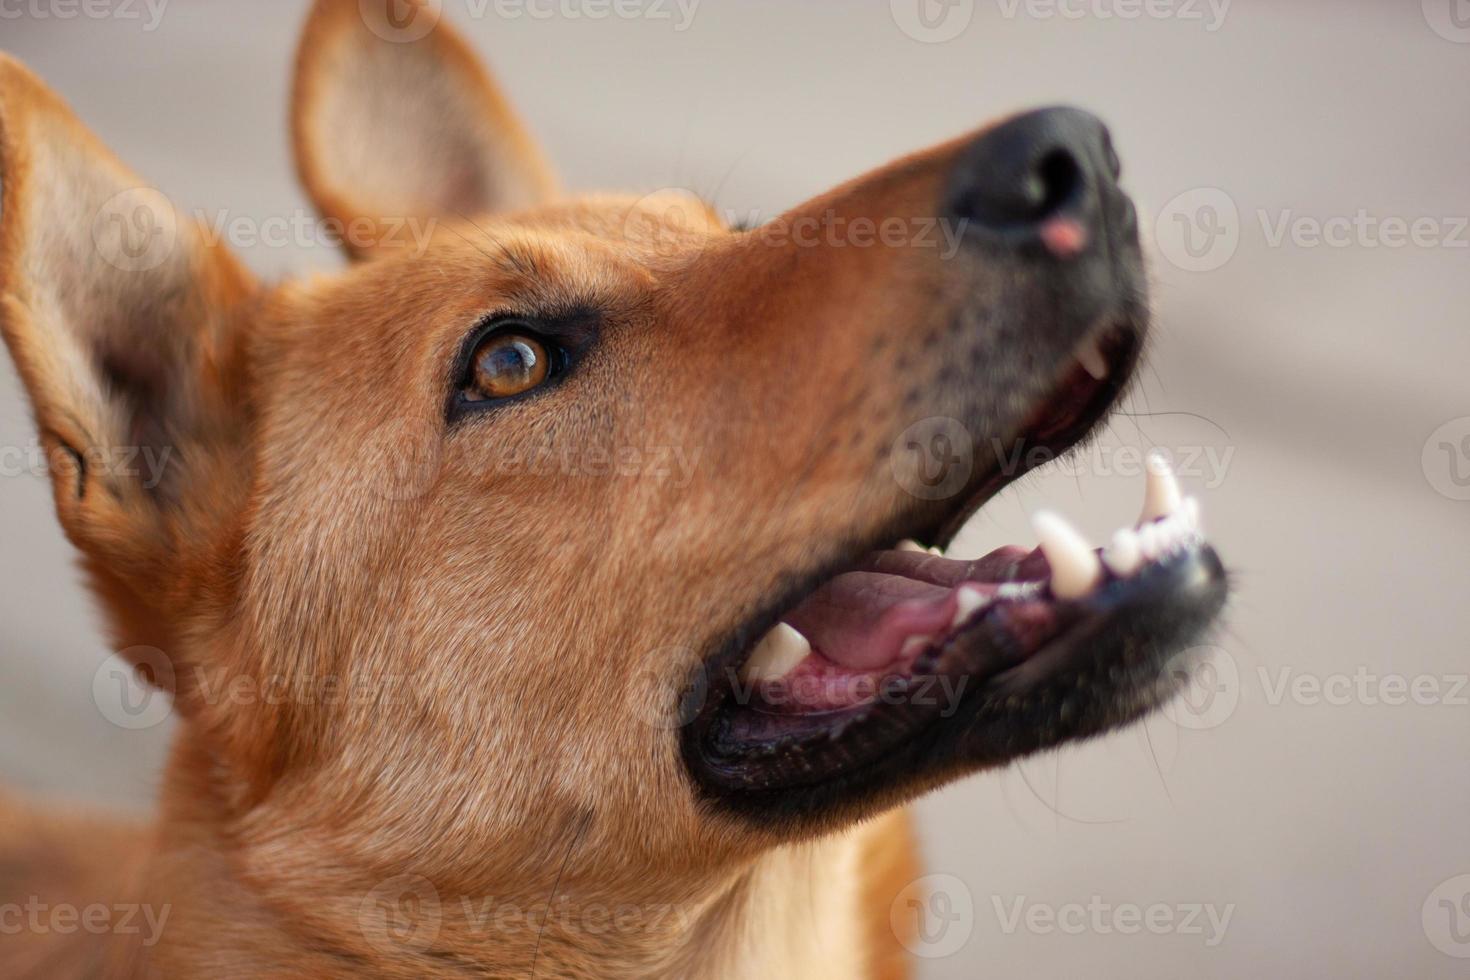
x=1040, y=177
x=1057, y=181
x=1115, y=166
x=1053, y=183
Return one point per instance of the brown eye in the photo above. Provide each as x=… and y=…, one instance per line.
x=507, y=364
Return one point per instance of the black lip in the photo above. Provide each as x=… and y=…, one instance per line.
x=1109, y=665
x=1123, y=348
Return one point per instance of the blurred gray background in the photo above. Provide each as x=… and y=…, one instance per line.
x=1304, y=171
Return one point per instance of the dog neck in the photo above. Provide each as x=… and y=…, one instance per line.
x=794, y=911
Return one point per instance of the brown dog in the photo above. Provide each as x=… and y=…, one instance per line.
x=518, y=593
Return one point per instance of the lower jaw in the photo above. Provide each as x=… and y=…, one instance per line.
x=1036, y=660
x=978, y=699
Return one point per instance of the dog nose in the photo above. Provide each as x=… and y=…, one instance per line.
x=1046, y=178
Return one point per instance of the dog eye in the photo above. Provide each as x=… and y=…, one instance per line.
x=507, y=364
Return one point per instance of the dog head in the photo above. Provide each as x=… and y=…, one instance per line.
x=563, y=521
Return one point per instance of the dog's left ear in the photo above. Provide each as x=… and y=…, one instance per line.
x=124, y=321
x=394, y=119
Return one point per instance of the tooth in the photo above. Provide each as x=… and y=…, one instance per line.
x=1190, y=510
x=914, y=646
x=1017, y=590
x=776, y=655
x=937, y=551
x=967, y=601
x=1075, y=569
x=1123, y=554
x=909, y=544
x=1161, y=489
x=1090, y=355
x=1150, y=541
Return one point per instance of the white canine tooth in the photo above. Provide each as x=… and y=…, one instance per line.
x=1148, y=541
x=937, y=551
x=1017, y=590
x=1151, y=541
x=1090, y=356
x=1123, y=554
x=1161, y=489
x=967, y=601
x=909, y=544
x=1075, y=569
x=914, y=646
x=776, y=655
x=1190, y=512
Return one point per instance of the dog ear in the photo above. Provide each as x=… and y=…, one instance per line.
x=118, y=314
x=394, y=119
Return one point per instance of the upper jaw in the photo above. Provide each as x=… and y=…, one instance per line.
x=1106, y=643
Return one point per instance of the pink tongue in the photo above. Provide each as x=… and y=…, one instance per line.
x=862, y=619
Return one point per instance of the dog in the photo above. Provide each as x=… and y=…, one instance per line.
x=557, y=593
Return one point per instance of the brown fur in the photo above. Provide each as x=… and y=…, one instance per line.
x=496, y=742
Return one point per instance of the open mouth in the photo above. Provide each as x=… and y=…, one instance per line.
x=908, y=661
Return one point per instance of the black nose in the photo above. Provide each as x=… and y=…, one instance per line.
x=1016, y=180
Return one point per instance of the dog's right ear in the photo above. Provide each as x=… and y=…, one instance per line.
x=394, y=119
x=122, y=321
